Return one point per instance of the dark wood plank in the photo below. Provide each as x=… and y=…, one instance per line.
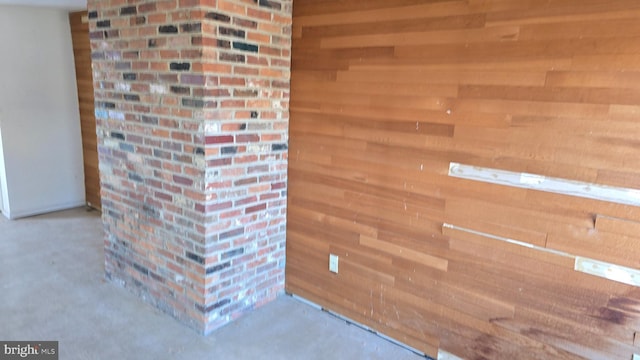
x=84, y=79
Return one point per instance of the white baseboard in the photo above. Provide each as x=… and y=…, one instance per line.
x=12, y=215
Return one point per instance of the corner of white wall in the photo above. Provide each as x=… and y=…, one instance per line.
x=39, y=113
x=4, y=197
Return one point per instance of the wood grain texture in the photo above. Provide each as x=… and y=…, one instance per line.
x=386, y=94
x=84, y=79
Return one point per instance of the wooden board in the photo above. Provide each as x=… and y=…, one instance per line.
x=84, y=79
x=385, y=94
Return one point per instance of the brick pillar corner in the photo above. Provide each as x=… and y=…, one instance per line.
x=192, y=117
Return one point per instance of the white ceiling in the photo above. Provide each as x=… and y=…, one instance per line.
x=66, y=4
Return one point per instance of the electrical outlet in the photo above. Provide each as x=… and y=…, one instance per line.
x=333, y=263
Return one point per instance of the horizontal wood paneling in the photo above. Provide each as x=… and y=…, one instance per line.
x=386, y=94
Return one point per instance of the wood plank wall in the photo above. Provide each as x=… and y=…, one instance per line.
x=84, y=79
x=387, y=93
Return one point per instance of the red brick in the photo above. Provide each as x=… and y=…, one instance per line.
x=255, y=208
x=280, y=185
x=245, y=201
x=245, y=159
x=233, y=7
x=219, y=139
x=232, y=103
x=231, y=214
x=236, y=81
x=194, y=159
x=157, y=18
x=259, y=14
x=217, y=68
x=258, y=37
x=219, y=206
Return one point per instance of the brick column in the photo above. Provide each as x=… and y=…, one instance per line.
x=192, y=115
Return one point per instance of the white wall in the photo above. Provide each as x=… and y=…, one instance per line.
x=39, y=119
x=3, y=187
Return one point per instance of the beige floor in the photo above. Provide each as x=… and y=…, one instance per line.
x=52, y=288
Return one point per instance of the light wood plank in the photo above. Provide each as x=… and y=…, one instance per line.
x=386, y=94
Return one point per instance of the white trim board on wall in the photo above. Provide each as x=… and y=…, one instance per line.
x=614, y=194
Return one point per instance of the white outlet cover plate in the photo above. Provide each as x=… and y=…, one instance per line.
x=333, y=263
